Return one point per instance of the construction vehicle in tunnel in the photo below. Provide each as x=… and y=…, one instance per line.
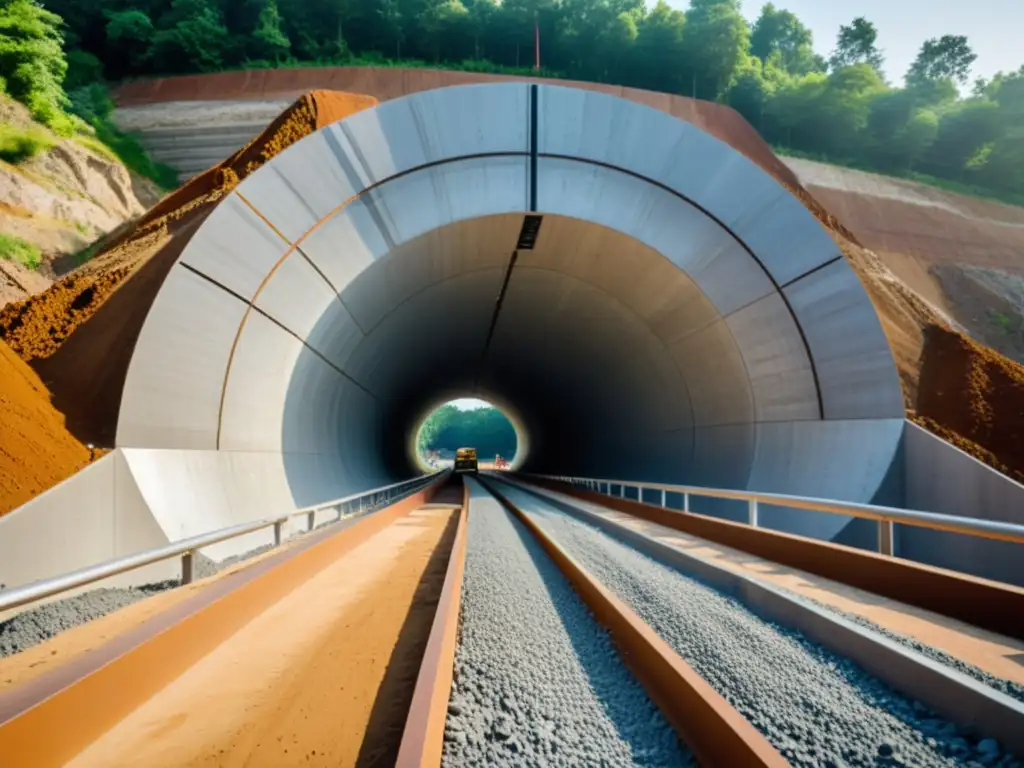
x=465, y=461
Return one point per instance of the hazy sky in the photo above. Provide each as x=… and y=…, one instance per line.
x=993, y=27
x=470, y=403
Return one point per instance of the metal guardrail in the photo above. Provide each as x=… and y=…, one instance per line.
x=15, y=597
x=886, y=516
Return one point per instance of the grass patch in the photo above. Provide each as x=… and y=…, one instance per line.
x=15, y=249
x=18, y=144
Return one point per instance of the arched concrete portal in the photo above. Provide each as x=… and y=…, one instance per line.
x=681, y=316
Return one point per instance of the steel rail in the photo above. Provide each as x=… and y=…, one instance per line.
x=15, y=597
x=945, y=689
x=422, y=744
x=886, y=516
x=715, y=732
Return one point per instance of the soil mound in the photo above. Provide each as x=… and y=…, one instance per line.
x=36, y=450
x=973, y=397
x=79, y=335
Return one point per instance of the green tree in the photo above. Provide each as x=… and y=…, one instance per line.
x=917, y=137
x=32, y=61
x=658, y=55
x=949, y=58
x=486, y=429
x=445, y=27
x=938, y=67
x=716, y=39
x=780, y=32
x=131, y=34
x=754, y=87
x=1004, y=165
x=394, y=23
x=481, y=15
x=269, y=40
x=83, y=69
x=964, y=131
x=191, y=37
x=857, y=45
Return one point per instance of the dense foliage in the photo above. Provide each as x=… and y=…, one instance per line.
x=839, y=108
x=486, y=429
x=63, y=91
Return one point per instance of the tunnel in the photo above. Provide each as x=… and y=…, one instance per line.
x=643, y=301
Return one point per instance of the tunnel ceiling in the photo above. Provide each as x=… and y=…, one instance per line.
x=680, y=315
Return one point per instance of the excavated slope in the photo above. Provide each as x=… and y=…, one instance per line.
x=79, y=335
x=36, y=450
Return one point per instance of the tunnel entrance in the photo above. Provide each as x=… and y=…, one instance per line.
x=648, y=303
x=470, y=423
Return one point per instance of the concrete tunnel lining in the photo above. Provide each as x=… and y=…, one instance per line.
x=681, y=318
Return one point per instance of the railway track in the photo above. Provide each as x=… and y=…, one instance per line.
x=550, y=635
x=815, y=706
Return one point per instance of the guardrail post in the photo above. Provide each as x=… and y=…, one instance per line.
x=187, y=567
x=885, y=537
x=640, y=494
x=664, y=498
x=686, y=502
x=278, y=531
x=622, y=490
x=311, y=520
x=752, y=512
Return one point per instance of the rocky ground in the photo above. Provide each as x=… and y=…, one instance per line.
x=59, y=202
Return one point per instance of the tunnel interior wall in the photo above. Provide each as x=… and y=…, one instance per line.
x=680, y=317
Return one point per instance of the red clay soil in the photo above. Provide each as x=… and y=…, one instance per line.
x=973, y=397
x=36, y=450
x=80, y=334
x=933, y=235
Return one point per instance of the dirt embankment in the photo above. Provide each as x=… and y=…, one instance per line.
x=36, y=450
x=60, y=200
x=973, y=397
x=80, y=333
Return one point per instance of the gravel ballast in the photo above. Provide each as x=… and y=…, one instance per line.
x=537, y=680
x=816, y=708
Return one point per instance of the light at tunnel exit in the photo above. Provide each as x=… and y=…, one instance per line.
x=466, y=423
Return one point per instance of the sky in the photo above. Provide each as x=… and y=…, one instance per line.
x=470, y=403
x=993, y=27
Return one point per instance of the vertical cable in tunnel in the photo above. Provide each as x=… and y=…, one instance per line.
x=527, y=234
x=533, y=147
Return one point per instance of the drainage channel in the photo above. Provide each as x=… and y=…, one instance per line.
x=815, y=706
